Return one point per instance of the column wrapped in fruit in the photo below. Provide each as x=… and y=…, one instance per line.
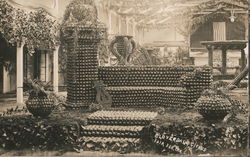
x=81, y=33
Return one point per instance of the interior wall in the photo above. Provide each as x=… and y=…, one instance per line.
x=168, y=34
x=234, y=31
x=123, y=26
x=9, y=81
x=1, y=79
x=8, y=54
x=103, y=15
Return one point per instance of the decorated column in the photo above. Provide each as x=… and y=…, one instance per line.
x=82, y=34
x=19, y=73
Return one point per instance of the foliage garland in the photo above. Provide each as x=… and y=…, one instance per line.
x=36, y=29
x=6, y=18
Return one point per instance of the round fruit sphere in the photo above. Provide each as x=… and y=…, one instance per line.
x=213, y=106
x=40, y=106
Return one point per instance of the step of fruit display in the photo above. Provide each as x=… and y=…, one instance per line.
x=147, y=96
x=115, y=130
x=112, y=131
x=109, y=139
x=121, y=118
x=213, y=105
x=153, y=76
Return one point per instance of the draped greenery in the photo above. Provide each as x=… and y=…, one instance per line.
x=36, y=29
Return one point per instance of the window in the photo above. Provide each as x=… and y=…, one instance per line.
x=219, y=31
x=41, y=65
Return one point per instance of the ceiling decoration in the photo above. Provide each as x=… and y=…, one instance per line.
x=161, y=13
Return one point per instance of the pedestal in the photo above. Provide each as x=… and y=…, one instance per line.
x=224, y=61
x=210, y=56
x=243, y=59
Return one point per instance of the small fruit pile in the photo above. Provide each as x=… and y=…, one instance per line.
x=212, y=105
x=124, y=118
x=195, y=82
x=198, y=78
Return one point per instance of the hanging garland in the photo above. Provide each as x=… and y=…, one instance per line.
x=6, y=19
x=42, y=31
x=36, y=29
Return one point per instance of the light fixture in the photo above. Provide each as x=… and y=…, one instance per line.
x=232, y=17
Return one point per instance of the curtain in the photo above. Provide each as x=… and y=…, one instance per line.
x=219, y=29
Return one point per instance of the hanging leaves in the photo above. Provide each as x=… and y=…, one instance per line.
x=6, y=19
x=42, y=32
x=36, y=29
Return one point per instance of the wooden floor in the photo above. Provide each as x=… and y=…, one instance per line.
x=84, y=154
x=105, y=154
x=240, y=94
x=9, y=101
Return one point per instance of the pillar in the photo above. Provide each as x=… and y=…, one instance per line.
x=19, y=73
x=120, y=24
x=47, y=62
x=110, y=22
x=134, y=29
x=127, y=25
x=55, y=69
x=210, y=55
x=224, y=61
x=243, y=59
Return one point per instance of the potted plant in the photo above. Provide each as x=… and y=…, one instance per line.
x=41, y=100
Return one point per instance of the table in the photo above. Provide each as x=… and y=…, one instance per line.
x=224, y=46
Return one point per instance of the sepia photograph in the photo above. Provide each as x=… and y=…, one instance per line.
x=124, y=78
